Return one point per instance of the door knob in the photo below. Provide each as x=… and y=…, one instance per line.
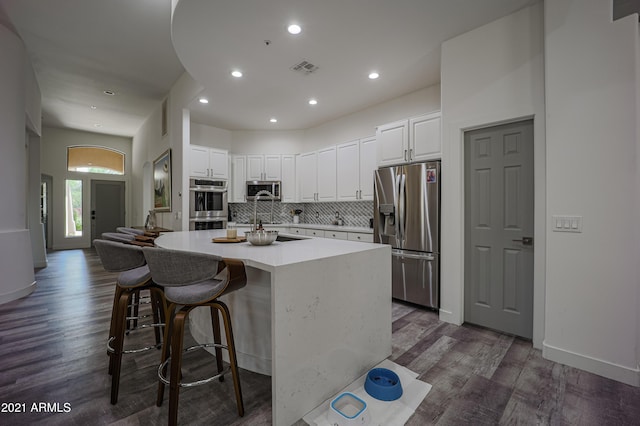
x=526, y=241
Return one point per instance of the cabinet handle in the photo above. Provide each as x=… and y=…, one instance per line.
x=410, y=154
x=405, y=155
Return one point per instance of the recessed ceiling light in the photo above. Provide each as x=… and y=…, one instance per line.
x=313, y=102
x=109, y=92
x=294, y=29
x=273, y=120
x=203, y=100
x=97, y=125
x=236, y=73
x=374, y=75
x=93, y=107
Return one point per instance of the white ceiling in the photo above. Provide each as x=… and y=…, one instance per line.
x=79, y=48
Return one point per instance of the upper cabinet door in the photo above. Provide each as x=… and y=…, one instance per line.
x=307, y=171
x=327, y=174
x=347, y=175
x=264, y=167
x=393, y=143
x=425, y=137
x=218, y=163
x=368, y=165
x=199, y=161
x=288, y=190
x=238, y=175
x=255, y=167
x=273, y=167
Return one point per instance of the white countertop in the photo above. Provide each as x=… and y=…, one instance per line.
x=267, y=258
x=344, y=228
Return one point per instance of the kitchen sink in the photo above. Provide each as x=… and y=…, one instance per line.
x=284, y=238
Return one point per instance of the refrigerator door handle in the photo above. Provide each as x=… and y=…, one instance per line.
x=400, y=253
x=401, y=208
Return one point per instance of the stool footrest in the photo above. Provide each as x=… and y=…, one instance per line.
x=111, y=350
x=166, y=381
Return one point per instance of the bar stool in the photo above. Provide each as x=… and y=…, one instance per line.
x=127, y=230
x=127, y=238
x=134, y=276
x=192, y=280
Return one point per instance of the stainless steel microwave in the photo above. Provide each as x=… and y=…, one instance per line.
x=255, y=186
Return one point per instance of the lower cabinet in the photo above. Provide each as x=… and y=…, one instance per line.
x=365, y=238
x=338, y=235
x=314, y=232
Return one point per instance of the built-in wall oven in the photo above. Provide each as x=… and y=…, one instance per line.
x=208, y=205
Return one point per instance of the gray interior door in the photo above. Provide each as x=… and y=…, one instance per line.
x=107, y=206
x=498, y=289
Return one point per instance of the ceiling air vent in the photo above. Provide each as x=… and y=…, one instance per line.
x=304, y=67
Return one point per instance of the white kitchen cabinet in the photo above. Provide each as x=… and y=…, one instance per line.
x=355, y=164
x=314, y=232
x=288, y=187
x=411, y=140
x=327, y=174
x=348, y=171
x=238, y=185
x=308, y=176
x=205, y=162
x=393, y=143
x=424, y=133
x=337, y=235
x=298, y=231
x=317, y=175
x=364, y=238
x=264, y=167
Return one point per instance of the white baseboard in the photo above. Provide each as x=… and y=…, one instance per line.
x=630, y=376
x=449, y=317
x=17, y=294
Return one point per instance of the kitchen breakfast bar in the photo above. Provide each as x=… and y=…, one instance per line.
x=315, y=314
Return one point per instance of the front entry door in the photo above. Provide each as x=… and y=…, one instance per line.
x=498, y=288
x=107, y=206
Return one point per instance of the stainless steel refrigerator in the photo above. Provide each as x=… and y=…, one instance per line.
x=407, y=216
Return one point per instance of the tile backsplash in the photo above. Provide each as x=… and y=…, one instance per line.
x=355, y=213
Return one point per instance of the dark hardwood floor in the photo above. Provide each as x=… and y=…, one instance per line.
x=53, y=350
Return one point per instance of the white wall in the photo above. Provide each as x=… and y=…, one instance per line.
x=358, y=125
x=149, y=144
x=212, y=137
x=490, y=75
x=593, y=279
x=16, y=259
x=267, y=141
x=54, y=162
x=363, y=123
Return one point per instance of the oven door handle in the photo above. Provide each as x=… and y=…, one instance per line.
x=207, y=190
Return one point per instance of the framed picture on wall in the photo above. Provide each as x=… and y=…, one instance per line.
x=162, y=182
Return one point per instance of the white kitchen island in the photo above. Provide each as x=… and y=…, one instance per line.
x=315, y=314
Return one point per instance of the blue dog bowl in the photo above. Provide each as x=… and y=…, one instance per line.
x=383, y=384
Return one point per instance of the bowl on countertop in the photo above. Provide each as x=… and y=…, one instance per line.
x=261, y=237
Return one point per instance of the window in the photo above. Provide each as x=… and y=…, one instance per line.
x=73, y=208
x=95, y=159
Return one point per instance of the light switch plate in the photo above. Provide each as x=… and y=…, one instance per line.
x=566, y=223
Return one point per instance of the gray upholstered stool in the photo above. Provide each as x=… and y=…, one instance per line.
x=191, y=280
x=134, y=276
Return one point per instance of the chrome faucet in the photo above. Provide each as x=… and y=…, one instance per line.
x=255, y=207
